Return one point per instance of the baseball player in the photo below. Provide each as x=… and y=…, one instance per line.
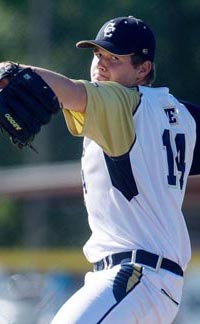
x=140, y=146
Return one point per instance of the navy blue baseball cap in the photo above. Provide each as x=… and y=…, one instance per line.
x=124, y=36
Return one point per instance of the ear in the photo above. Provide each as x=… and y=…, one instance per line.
x=142, y=71
x=144, y=68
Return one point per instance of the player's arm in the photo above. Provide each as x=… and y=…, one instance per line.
x=102, y=113
x=71, y=94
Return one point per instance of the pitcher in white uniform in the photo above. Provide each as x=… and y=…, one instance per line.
x=140, y=146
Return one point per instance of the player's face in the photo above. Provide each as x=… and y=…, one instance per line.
x=108, y=67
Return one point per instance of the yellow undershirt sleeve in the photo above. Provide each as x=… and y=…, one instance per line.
x=108, y=118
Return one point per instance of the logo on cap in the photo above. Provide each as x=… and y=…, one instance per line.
x=145, y=51
x=109, y=29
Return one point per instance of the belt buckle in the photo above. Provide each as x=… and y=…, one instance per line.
x=158, y=264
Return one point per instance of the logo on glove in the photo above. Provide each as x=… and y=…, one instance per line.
x=13, y=122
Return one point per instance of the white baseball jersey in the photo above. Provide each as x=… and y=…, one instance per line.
x=138, y=151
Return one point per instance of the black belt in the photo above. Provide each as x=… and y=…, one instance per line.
x=151, y=260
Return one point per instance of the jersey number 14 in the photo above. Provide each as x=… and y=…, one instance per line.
x=175, y=149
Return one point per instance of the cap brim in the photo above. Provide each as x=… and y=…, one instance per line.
x=109, y=47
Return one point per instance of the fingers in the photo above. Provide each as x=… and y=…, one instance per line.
x=6, y=70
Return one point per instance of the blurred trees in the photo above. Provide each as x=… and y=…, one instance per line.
x=45, y=32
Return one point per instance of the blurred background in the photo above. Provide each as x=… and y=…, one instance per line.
x=43, y=222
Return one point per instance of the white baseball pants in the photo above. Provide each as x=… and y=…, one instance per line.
x=124, y=294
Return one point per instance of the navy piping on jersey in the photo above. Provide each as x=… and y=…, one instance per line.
x=136, y=108
x=120, y=170
x=121, y=174
x=123, y=295
x=194, y=110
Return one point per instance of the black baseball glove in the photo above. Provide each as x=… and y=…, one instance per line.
x=26, y=103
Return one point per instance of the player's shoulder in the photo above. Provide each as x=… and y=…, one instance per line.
x=121, y=87
x=133, y=93
x=114, y=90
x=110, y=84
